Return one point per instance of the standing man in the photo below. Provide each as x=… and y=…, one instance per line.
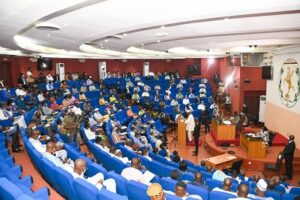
x=196, y=137
x=190, y=125
x=288, y=153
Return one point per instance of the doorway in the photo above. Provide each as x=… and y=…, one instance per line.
x=5, y=73
x=251, y=99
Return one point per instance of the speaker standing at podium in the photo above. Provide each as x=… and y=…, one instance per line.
x=190, y=125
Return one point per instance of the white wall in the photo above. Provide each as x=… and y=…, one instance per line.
x=273, y=94
x=280, y=118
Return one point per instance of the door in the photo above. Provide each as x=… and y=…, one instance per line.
x=252, y=100
x=5, y=73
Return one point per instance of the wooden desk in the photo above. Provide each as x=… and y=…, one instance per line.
x=221, y=161
x=181, y=133
x=223, y=131
x=255, y=147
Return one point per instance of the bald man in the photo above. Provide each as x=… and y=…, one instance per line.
x=134, y=173
x=227, y=183
x=50, y=155
x=96, y=180
x=242, y=192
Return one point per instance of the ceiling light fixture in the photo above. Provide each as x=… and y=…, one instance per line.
x=106, y=40
x=46, y=26
x=162, y=27
x=124, y=34
x=158, y=41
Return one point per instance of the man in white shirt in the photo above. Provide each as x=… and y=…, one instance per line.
x=190, y=125
x=50, y=155
x=91, y=135
x=227, y=183
x=242, y=192
x=180, y=191
x=49, y=78
x=201, y=106
x=100, y=144
x=96, y=180
x=10, y=130
x=260, y=189
x=118, y=154
x=98, y=117
x=20, y=92
x=133, y=172
x=185, y=101
x=35, y=139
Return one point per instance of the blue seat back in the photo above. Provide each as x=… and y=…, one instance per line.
x=215, y=195
x=8, y=190
x=137, y=190
x=85, y=190
x=120, y=181
x=64, y=182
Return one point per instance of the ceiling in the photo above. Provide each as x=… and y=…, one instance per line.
x=125, y=29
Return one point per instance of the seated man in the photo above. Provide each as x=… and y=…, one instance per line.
x=100, y=143
x=180, y=191
x=116, y=137
x=134, y=173
x=242, y=193
x=198, y=179
x=118, y=154
x=97, y=180
x=129, y=113
x=50, y=155
x=260, y=190
x=91, y=135
x=98, y=117
x=35, y=139
x=11, y=133
x=227, y=183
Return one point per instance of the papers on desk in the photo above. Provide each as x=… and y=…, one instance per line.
x=231, y=157
x=227, y=122
x=148, y=176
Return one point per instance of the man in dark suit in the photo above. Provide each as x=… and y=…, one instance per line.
x=22, y=81
x=288, y=153
x=196, y=134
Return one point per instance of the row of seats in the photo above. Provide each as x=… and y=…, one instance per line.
x=12, y=184
x=60, y=179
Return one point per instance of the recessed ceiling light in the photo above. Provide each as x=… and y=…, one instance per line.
x=45, y=26
x=162, y=27
x=226, y=19
x=124, y=34
x=158, y=41
x=48, y=35
x=161, y=34
x=106, y=40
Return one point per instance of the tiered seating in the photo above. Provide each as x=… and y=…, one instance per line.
x=12, y=186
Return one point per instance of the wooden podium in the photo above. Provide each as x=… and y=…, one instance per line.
x=223, y=131
x=181, y=133
x=255, y=147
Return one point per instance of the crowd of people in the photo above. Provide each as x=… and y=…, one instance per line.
x=183, y=97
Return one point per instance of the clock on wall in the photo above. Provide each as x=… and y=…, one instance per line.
x=289, y=83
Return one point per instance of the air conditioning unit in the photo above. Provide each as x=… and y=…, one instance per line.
x=262, y=108
x=60, y=71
